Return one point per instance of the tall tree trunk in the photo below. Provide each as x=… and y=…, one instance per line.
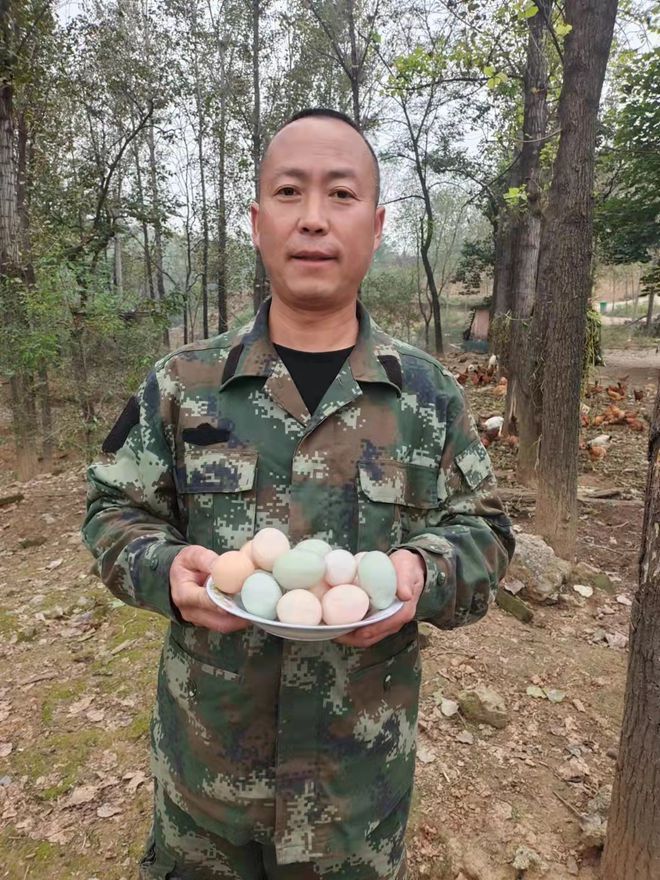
x=564, y=287
x=201, y=124
x=157, y=223
x=525, y=257
x=46, y=417
x=222, y=224
x=355, y=65
x=148, y=271
x=259, y=291
x=632, y=848
x=13, y=280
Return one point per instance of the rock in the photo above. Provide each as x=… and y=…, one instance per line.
x=465, y=737
x=513, y=585
x=26, y=543
x=425, y=640
x=514, y=606
x=574, y=770
x=539, y=568
x=525, y=859
x=584, y=573
x=484, y=705
x=616, y=640
x=592, y=832
x=448, y=707
x=585, y=590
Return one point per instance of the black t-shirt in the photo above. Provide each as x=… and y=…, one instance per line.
x=313, y=371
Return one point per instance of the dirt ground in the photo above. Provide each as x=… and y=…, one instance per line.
x=490, y=804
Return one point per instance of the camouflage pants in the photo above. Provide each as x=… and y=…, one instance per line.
x=178, y=849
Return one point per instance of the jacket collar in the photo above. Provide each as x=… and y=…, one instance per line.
x=373, y=359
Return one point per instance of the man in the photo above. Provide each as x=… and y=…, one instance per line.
x=278, y=759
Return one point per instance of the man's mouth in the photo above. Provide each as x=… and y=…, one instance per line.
x=313, y=257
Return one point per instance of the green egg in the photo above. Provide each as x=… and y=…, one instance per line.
x=314, y=545
x=298, y=570
x=260, y=594
x=377, y=578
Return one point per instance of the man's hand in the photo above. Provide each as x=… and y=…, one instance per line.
x=188, y=573
x=410, y=577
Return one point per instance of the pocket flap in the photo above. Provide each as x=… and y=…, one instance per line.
x=217, y=468
x=398, y=482
x=474, y=464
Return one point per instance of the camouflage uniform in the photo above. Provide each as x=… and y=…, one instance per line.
x=302, y=747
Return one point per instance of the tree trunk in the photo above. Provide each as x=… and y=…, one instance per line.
x=355, y=65
x=199, y=107
x=525, y=257
x=259, y=287
x=649, y=312
x=46, y=416
x=13, y=280
x=632, y=848
x=148, y=271
x=157, y=224
x=222, y=227
x=565, y=267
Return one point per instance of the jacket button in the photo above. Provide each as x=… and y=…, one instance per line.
x=387, y=681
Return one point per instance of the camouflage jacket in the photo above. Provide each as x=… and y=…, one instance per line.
x=307, y=745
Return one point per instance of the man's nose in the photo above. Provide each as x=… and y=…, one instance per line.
x=313, y=218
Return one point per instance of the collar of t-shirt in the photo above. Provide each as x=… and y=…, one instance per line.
x=313, y=372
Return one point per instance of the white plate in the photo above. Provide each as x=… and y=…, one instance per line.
x=296, y=632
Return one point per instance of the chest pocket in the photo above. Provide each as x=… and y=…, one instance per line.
x=218, y=485
x=393, y=499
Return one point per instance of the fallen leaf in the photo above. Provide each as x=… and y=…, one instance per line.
x=82, y=794
x=81, y=705
x=579, y=705
x=95, y=715
x=513, y=586
x=54, y=564
x=6, y=749
x=138, y=779
x=535, y=691
x=425, y=754
x=105, y=811
x=554, y=695
x=449, y=708
x=465, y=737
x=624, y=600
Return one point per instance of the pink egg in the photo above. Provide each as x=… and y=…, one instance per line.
x=247, y=549
x=267, y=546
x=230, y=570
x=345, y=603
x=340, y=567
x=319, y=590
x=301, y=607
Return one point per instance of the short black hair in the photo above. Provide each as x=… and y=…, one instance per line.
x=328, y=113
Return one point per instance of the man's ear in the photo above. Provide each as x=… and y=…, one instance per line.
x=379, y=223
x=254, y=220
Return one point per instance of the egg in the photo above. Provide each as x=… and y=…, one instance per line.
x=319, y=590
x=301, y=607
x=229, y=571
x=314, y=545
x=378, y=578
x=297, y=570
x=358, y=557
x=247, y=549
x=267, y=546
x=340, y=567
x=344, y=603
x=260, y=595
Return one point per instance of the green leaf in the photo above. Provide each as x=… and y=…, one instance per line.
x=561, y=29
x=530, y=10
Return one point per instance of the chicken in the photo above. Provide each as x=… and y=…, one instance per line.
x=500, y=389
x=493, y=427
x=597, y=448
x=638, y=393
x=635, y=423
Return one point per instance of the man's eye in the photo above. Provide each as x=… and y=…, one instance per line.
x=343, y=194
x=286, y=191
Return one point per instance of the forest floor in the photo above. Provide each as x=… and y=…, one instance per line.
x=491, y=804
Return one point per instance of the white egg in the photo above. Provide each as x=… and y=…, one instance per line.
x=301, y=607
x=260, y=595
x=378, y=578
x=340, y=567
x=267, y=546
x=297, y=570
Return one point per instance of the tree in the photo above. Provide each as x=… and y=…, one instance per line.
x=632, y=847
x=23, y=26
x=564, y=274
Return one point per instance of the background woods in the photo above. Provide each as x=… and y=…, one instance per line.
x=519, y=145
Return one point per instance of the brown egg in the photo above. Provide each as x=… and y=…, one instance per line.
x=319, y=590
x=247, y=549
x=230, y=570
x=345, y=603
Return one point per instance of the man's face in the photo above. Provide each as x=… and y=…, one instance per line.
x=317, y=225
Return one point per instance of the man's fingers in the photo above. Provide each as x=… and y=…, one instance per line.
x=219, y=622
x=196, y=558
